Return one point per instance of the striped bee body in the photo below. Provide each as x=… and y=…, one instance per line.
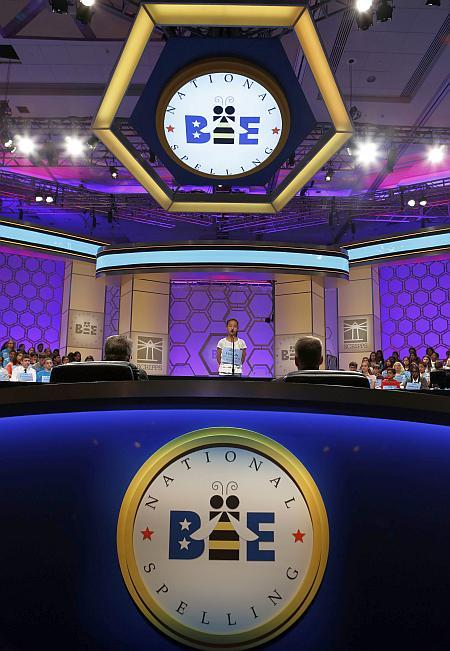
x=223, y=541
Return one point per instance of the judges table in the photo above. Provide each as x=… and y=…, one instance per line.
x=108, y=542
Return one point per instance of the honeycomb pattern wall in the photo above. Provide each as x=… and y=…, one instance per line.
x=415, y=306
x=31, y=292
x=112, y=306
x=198, y=313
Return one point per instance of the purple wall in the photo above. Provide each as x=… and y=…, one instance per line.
x=198, y=313
x=31, y=292
x=415, y=306
x=112, y=307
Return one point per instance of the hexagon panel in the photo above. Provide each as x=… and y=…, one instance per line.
x=112, y=306
x=24, y=317
x=415, y=306
x=198, y=313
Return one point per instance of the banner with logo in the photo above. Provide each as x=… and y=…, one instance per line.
x=355, y=334
x=150, y=352
x=85, y=329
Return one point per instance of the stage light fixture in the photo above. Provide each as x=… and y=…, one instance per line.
x=49, y=198
x=366, y=152
x=364, y=20
x=329, y=174
x=433, y=3
x=114, y=172
x=363, y=5
x=39, y=197
x=92, y=142
x=84, y=13
x=26, y=145
x=423, y=200
x=436, y=154
x=9, y=144
x=411, y=202
x=87, y=3
x=60, y=6
x=384, y=11
x=74, y=146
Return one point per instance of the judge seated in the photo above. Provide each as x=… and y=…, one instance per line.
x=118, y=349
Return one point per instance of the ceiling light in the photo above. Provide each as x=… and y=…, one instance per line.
x=364, y=20
x=9, y=144
x=26, y=145
x=113, y=171
x=39, y=197
x=423, y=200
x=60, y=6
x=84, y=12
x=366, y=153
x=87, y=3
x=384, y=11
x=436, y=154
x=49, y=198
x=328, y=175
x=74, y=146
x=363, y=5
x=411, y=202
x=433, y=3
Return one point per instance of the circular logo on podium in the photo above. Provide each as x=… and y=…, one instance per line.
x=222, y=539
x=222, y=119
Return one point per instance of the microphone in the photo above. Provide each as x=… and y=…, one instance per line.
x=232, y=367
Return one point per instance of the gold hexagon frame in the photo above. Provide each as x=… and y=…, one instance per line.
x=151, y=15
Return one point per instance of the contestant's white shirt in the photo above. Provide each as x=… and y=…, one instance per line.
x=226, y=368
x=19, y=370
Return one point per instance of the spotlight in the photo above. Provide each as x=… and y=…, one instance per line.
x=363, y=5
x=26, y=145
x=423, y=200
x=364, y=20
x=84, y=12
x=92, y=142
x=74, y=146
x=60, y=6
x=329, y=175
x=366, y=153
x=433, y=3
x=49, y=198
x=384, y=11
x=87, y=3
x=39, y=197
x=411, y=202
x=436, y=154
x=114, y=172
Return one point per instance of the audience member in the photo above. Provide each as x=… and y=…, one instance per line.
x=372, y=359
x=401, y=375
x=15, y=360
x=380, y=359
x=308, y=354
x=65, y=359
x=56, y=360
x=427, y=362
x=424, y=374
x=387, y=364
x=406, y=363
x=389, y=381
x=353, y=366
x=434, y=358
x=23, y=372
x=395, y=355
x=89, y=358
x=438, y=365
x=416, y=380
x=4, y=377
x=44, y=374
x=39, y=366
x=365, y=370
x=77, y=356
x=40, y=348
x=6, y=351
x=118, y=349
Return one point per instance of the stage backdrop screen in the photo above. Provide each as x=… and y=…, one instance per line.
x=198, y=313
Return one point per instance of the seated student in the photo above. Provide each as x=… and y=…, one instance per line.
x=89, y=358
x=424, y=374
x=365, y=370
x=376, y=370
x=438, y=365
x=14, y=359
x=389, y=382
x=118, y=349
x=353, y=366
x=434, y=358
x=33, y=358
x=39, y=366
x=7, y=349
x=44, y=374
x=416, y=382
x=401, y=375
x=65, y=359
x=77, y=356
x=395, y=355
x=387, y=364
x=447, y=363
x=56, y=360
x=380, y=359
x=4, y=377
x=23, y=372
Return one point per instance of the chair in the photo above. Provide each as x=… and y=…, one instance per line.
x=337, y=378
x=92, y=372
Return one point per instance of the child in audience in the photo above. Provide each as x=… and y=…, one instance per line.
x=380, y=359
x=353, y=366
x=23, y=372
x=7, y=349
x=401, y=375
x=365, y=370
x=424, y=374
x=44, y=374
x=4, y=377
x=416, y=379
x=389, y=380
x=434, y=358
x=15, y=359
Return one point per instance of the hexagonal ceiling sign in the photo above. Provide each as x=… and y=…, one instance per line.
x=151, y=15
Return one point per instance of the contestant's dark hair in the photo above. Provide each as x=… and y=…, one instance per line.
x=117, y=348
x=232, y=318
x=308, y=353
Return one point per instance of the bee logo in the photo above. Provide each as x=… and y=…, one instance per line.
x=224, y=119
x=224, y=528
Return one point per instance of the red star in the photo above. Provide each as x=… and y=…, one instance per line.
x=298, y=536
x=170, y=128
x=147, y=534
x=276, y=130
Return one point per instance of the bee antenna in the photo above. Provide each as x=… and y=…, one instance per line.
x=233, y=486
x=215, y=486
x=218, y=100
x=229, y=100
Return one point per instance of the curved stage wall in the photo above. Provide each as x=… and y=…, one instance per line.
x=380, y=462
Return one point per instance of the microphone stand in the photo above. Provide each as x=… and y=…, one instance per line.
x=232, y=367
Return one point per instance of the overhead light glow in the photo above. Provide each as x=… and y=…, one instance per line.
x=436, y=154
x=329, y=175
x=433, y=3
x=49, y=198
x=363, y=5
x=26, y=145
x=38, y=197
x=411, y=203
x=366, y=153
x=87, y=3
x=423, y=201
x=113, y=171
x=74, y=146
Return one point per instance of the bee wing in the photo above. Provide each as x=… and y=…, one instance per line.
x=242, y=531
x=205, y=529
